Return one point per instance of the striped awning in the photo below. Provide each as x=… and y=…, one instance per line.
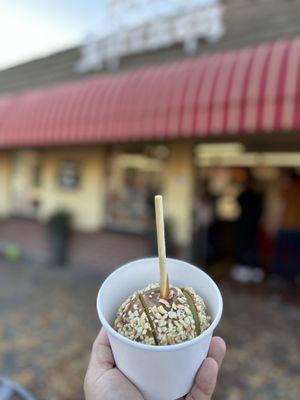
x=253, y=90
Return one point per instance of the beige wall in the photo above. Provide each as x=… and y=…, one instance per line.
x=88, y=201
x=85, y=202
x=4, y=183
x=178, y=191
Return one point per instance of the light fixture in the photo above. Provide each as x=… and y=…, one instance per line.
x=207, y=150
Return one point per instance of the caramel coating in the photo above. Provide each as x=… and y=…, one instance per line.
x=171, y=320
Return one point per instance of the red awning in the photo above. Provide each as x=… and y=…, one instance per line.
x=250, y=90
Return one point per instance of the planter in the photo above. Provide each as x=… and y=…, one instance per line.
x=59, y=232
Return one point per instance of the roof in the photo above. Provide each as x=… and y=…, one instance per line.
x=245, y=24
x=251, y=90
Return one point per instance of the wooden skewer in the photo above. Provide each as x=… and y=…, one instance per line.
x=161, y=246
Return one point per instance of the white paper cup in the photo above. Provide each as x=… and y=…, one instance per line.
x=159, y=372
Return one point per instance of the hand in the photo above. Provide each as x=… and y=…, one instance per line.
x=103, y=381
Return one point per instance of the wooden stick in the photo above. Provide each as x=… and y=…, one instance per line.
x=161, y=246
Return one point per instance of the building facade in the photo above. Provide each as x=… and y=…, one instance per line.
x=100, y=144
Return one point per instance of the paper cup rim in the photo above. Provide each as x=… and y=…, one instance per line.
x=171, y=347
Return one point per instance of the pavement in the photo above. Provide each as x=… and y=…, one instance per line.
x=99, y=251
x=48, y=322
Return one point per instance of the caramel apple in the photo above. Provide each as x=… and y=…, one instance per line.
x=147, y=318
x=161, y=314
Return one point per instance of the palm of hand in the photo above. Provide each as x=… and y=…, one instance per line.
x=104, y=381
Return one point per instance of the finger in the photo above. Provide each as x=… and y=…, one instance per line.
x=102, y=358
x=205, y=381
x=217, y=349
x=102, y=338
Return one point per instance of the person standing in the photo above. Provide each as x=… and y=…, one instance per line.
x=250, y=201
x=286, y=263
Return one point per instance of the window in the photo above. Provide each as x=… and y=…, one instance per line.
x=133, y=180
x=68, y=176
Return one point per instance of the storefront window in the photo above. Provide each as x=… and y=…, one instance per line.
x=134, y=178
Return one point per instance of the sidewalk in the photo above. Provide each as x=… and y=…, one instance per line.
x=49, y=321
x=101, y=251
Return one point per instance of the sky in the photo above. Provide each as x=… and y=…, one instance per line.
x=32, y=28
x=35, y=28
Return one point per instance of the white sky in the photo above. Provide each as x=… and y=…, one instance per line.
x=24, y=37
x=31, y=28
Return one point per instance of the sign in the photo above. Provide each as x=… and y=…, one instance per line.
x=186, y=28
